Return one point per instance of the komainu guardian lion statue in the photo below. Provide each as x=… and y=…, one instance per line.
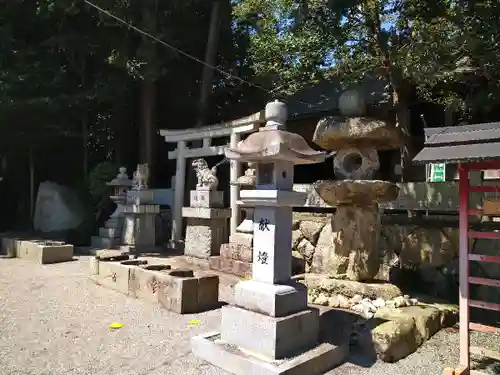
x=207, y=179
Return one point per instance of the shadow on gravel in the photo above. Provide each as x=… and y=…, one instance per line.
x=491, y=366
x=339, y=327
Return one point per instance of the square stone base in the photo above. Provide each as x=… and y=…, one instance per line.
x=204, y=237
x=230, y=358
x=271, y=299
x=231, y=266
x=273, y=338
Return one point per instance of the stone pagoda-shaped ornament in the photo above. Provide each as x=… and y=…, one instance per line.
x=356, y=224
x=269, y=328
x=110, y=235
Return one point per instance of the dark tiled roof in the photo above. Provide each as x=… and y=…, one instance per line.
x=324, y=96
x=458, y=144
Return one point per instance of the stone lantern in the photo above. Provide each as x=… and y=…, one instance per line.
x=269, y=320
x=110, y=235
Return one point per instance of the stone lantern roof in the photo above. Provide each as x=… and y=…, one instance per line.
x=272, y=143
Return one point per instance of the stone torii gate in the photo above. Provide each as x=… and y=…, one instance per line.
x=234, y=130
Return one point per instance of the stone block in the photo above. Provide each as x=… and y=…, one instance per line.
x=179, y=294
x=231, y=266
x=141, y=197
x=269, y=299
x=10, y=246
x=110, y=232
x=141, y=209
x=145, y=284
x=244, y=239
x=45, y=252
x=236, y=251
x=316, y=361
x=205, y=237
x=271, y=337
x=206, y=198
x=175, y=290
x=112, y=275
x=104, y=243
x=208, y=292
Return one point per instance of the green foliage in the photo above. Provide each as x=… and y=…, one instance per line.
x=99, y=177
x=441, y=47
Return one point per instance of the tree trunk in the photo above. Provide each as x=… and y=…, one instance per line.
x=147, y=128
x=210, y=60
x=381, y=49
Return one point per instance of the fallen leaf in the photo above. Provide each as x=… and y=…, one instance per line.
x=194, y=322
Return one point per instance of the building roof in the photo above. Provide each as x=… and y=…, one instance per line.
x=461, y=144
x=322, y=98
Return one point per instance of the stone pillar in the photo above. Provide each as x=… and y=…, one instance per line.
x=234, y=173
x=180, y=179
x=356, y=227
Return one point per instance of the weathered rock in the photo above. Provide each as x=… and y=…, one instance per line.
x=353, y=249
x=356, y=164
x=322, y=300
x=321, y=284
x=334, y=301
x=395, y=339
x=323, y=249
x=334, y=133
x=343, y=302
x=311, y=230
x=364, y=192
x=306, y=249
x=427, y=319
x=297, y=236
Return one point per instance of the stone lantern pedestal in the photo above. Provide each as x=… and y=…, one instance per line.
x=269, y=328
x=139, y=234
x=236, y=255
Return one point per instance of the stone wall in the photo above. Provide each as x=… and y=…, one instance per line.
x=424, y=255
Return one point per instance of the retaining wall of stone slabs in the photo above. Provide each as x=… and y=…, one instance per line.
x=38, y=250
x=175, y=290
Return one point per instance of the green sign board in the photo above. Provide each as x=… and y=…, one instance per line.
x=438, y=172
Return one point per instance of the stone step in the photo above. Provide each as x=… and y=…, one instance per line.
x=113, y=224
x=104, y=243
x=110, y=232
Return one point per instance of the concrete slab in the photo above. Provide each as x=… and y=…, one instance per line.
x=316, y=361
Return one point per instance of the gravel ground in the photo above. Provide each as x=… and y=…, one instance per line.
x=54, y=321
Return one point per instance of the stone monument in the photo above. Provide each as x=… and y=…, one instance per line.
x=236, y=256
x=110, y=235
x=269, y=328
x=207, y=227
x=356, y=225
x=140, y=214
